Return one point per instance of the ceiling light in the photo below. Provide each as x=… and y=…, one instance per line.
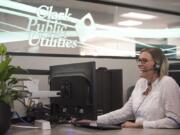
x=130, y=23
x=138, y=16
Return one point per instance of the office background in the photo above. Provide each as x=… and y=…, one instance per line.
x=111, y=52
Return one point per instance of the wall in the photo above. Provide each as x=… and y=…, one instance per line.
x=130, y=71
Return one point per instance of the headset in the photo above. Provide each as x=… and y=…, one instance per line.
x=177, y=123
x=149, y=85
x=139, y=105
x=158, y=65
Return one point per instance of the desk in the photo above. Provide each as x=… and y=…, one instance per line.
x=71, y=130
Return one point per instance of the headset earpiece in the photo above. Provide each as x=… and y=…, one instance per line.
x=157, y=66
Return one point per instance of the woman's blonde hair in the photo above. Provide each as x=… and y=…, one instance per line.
x=160, y=60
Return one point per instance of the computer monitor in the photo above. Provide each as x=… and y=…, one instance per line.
x=174, y=72
x=76, y=83
x=175, y=75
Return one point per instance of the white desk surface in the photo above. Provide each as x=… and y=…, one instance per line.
x=71, y=130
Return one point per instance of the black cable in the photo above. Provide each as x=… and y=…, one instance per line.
x=21, y=119
x=178, y=124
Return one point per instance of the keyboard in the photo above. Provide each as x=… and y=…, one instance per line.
x=94, y=125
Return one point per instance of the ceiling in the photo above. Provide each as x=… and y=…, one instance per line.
x=108, y=11
x=166, y=5
x=167, y=11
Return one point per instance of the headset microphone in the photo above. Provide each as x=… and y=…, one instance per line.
x=156, y=68
x=151, y=69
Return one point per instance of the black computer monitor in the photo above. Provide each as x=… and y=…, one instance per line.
x=175, y=75
x=76, y=83
x=174, y=72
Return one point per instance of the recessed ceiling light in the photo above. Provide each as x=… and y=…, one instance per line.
x=130, y=23
x=138, y=16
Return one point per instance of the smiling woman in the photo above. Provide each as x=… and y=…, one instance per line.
x=152, y=98
x=92, y=32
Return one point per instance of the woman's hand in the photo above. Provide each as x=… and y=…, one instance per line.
x=129, y=124
x=74, y=120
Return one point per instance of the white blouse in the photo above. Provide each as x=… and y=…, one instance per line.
x=159, y=109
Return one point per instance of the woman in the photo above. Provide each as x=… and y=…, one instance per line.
x=155, y=100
